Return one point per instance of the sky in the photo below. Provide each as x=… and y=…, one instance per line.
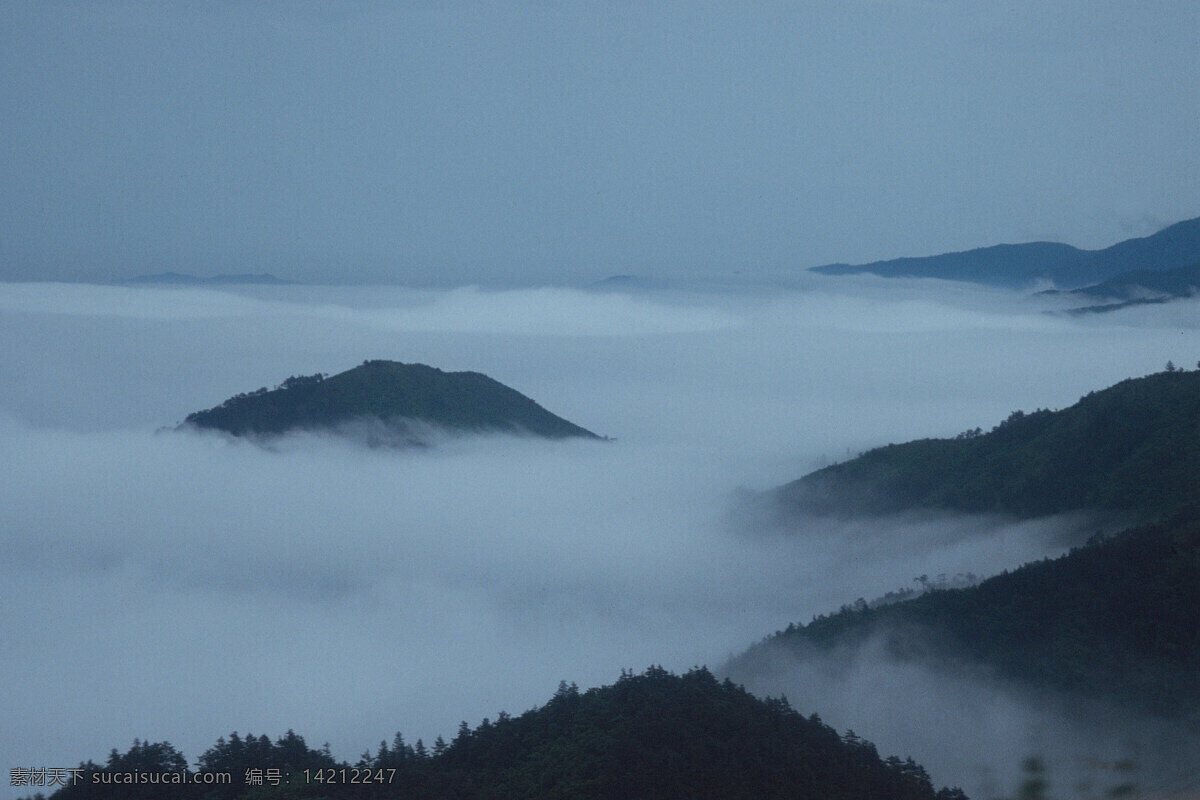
x=517, y=144
x=180, y=586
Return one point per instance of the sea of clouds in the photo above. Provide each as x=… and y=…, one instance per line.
x=180, y=585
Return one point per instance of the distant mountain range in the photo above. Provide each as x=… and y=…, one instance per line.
x=619, y=282
x=1139, y=284
x=1021, y=265
x=1132, y=447
x=391, y=394
x=1139, y=287
x=182, y=279
x=626, y=283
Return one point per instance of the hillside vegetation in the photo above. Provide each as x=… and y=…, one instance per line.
x=1132, y=447
x=1117, y=619
x=386, y=391
x=654, y=736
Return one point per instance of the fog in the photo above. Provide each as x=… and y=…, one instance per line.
x=180, y=586
x=975, y=730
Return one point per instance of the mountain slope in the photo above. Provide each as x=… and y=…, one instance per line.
x=1002, y=264
x=387, y=392
x=1118, y=619
x=1018, y=265
x=1147, y=284
x=1137, y=288
x=1132, y=447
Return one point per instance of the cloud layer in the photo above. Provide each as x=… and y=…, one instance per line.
x=179, y=586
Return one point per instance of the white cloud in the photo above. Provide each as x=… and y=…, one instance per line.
x=179, y=586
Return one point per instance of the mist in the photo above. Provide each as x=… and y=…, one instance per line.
x=180, y=585
x=974, y=729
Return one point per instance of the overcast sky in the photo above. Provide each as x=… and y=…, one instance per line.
x=517, y=143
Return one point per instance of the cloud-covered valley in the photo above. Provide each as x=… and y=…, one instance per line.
x=178, y=586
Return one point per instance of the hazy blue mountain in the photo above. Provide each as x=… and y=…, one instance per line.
x=1132, y=447
x=1003, y=264
x=386, y=392
x=1019, y=265
x=183, y=279
x=1104, y=308
x=1140, y=287
x=618, y=282
x=627, y=283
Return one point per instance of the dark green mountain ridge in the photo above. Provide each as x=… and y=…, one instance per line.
x=1117, y=619
x=654, y=736
x=1020, y=265
x=387, y=392
x=1133, y=447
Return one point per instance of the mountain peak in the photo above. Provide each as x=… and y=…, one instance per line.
x=391, y=393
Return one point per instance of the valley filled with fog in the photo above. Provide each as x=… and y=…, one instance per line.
x=178, y=585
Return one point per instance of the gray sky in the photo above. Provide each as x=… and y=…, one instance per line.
x=445, y=143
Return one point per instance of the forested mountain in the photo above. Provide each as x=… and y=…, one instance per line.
x=1117, y=619
x=387, y=392
x=1019, y=265
x=649, y=736
x=1132, y=447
